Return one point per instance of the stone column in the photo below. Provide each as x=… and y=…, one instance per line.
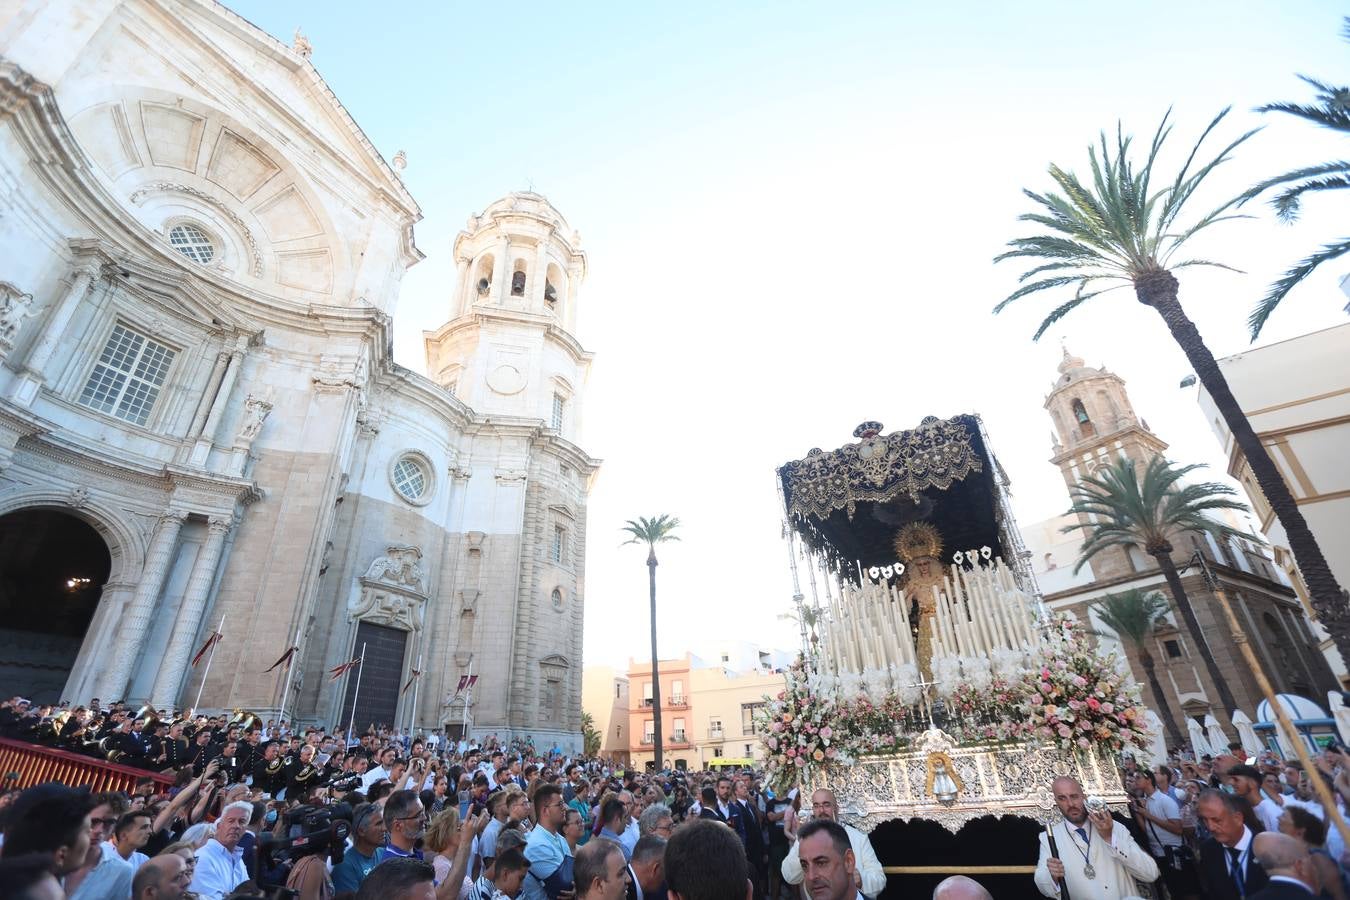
x=25, y=388
x=128, y=646
x=202, y=450
x=465, y=293
x=208, y=395
x=501, y=272
x=536, y=297
x=170, y=676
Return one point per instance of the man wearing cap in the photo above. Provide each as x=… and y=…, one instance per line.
x=1246, y=781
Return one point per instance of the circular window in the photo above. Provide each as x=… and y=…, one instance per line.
x=193, y=243
x=557, y=599
x=412, y=478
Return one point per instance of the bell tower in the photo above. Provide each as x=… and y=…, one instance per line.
x=509, y=348
x=1095, y=422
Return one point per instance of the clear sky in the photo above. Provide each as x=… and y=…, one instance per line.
x=790, y=211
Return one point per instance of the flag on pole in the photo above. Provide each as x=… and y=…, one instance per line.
x=415, y=675
x=285, y=658
x=473, y=679
x=463, y=680
x=206, y=647
x=338, y=671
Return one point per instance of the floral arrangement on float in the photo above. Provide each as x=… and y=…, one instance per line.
x=1066, y=694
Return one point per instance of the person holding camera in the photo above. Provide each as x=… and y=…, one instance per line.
x=1096, y=856
x=1159, y=818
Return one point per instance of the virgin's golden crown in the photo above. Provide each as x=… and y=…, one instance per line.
x=917, y=540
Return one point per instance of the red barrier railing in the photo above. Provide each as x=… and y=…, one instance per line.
x=37, y=764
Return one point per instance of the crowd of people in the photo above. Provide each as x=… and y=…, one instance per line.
x=241, y=808
x=1230, y=827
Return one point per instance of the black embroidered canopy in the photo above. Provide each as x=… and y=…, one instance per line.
x=849, y=503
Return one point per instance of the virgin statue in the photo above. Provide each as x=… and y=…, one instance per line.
x=919, y=546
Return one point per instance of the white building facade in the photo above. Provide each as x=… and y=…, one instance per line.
x=200, y=419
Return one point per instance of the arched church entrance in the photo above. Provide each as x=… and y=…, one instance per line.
x=52, y=570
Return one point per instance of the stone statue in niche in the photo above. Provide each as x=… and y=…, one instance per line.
x=256, y=411
x=400, y=566
x=15, y=306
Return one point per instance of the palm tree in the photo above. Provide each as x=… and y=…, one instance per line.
x=1134, y=615
x=652, y=532
x=1121, y=230
x=1117, y=508
x=589, y=735
x=1332, y=110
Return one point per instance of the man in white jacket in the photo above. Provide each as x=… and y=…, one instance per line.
x=871, y=880
x=1097, y=857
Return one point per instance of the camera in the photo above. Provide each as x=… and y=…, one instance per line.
x=310, y=830
x=344, y=782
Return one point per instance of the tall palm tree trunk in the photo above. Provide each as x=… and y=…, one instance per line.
x=1160, y=698
x=656, y=671
x=1328, y=599
x=1169, y=570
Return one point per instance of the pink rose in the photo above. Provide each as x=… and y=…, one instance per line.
x=827, y=732
x=1108, y=708
x=801, y=761
x=1094, y=704
x=1065, y=731
x=776, y=727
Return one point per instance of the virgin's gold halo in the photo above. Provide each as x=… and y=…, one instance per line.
x=917, y=540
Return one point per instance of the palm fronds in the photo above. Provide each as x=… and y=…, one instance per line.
x=1115, y=226
x=1120, y=506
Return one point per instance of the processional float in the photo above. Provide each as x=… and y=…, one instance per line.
x=933, y=684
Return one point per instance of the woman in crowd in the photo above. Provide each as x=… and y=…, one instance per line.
x=1297, y=822
x=442, y=839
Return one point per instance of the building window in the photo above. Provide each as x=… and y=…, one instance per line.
x=193, y=243
x=128, y=376
x=715, y=730
x=559, y=402
x=557, y=599
x=1173, y=649
x=678, y=733
x=677, y=691
x=646, y=693
x=411, y=478
x=616, y=692
x=559, y=543
x=748, y=713
x=648, y=731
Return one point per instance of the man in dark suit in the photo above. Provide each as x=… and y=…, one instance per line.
x=1227, y=865
x=1289, y=865
x=646, y=869
x=756, y=848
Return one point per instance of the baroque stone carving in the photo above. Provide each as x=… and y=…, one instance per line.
x=401, y=566
x=256, y=411
x=138, y=197
x=394, y=590
x=15, y=306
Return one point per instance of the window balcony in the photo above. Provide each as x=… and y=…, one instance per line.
x=648, y=740
x=679, y=701
x=714, y=734
x=679, y=738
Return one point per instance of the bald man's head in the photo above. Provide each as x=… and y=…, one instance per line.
x=1280, y=854
x=959, y=887
x=160, y=878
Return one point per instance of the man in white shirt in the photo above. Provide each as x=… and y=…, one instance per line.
x=1246, y=781
x=1097, y=857
x=220, y=864
x=387, y=757
x=131, y=834
x=869, y=878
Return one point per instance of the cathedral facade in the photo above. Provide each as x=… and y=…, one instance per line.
x=202, y=427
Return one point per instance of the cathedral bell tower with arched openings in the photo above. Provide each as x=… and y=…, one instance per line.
x=1094, y=422
x=510, y=354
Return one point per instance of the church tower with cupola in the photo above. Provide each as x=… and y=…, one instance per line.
x=1094, y=422
x=509, y=348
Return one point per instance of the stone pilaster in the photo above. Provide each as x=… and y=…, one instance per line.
x=171, y=669
x=30, y=380
x=131, y=638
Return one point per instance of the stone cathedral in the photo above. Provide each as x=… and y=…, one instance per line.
x=201, y=421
